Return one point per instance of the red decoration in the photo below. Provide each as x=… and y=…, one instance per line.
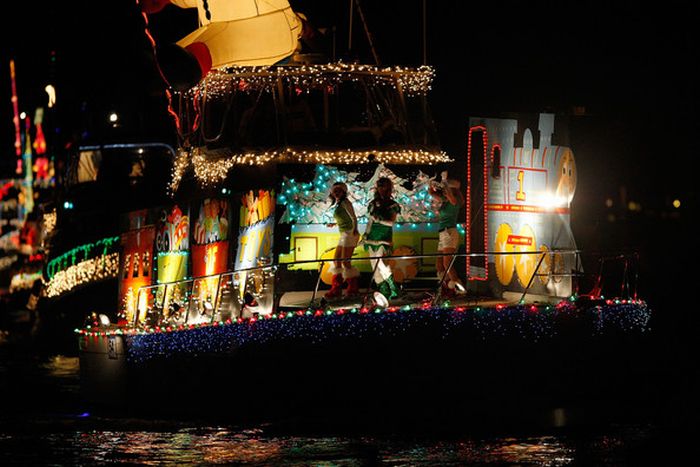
x=39, y=140
x=469, y=206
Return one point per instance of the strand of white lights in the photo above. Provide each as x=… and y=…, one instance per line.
x=49, y=222
x=7, y=261
x=210, y=172
x=413, y=81
x=91, y=270
x=24, y=281
x=180, y=166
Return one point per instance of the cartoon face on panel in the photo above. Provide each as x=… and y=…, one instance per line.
x=566, y=174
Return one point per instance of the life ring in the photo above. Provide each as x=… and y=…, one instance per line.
x=403, y=269
x=326, y=275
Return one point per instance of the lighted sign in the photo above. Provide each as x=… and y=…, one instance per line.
x=172, y=266
x=172, y=244
x=210, y=259
x=256, y=207
x=531, y=186
x=136, y=269
x=173, y=231
x=255, y=244
x=212, y=223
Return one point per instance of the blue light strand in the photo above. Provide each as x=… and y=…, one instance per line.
x=520, y=322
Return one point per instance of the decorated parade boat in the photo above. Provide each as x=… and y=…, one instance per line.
x=224, y=290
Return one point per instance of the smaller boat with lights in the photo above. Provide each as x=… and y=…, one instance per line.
x=222, y=291
x=82, y=232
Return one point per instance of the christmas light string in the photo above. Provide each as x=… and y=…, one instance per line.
x=49, y=222
x=81, y=253
x=85, y=272
x=307, y=202
x=529, y=322
x=219, y=83
x=210, y=171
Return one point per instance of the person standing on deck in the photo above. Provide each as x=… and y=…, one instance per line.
x=345, y=219
x=450, y=200
x=378, y=238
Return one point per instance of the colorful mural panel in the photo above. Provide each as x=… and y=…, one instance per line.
x=136, y=268
x=528, y=189
x=254, y=249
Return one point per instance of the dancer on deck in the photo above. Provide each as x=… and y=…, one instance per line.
x=450, y=200
x=345, y=218
x=378, y=238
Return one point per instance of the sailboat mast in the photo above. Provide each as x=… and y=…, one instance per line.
x=425, y=42
x=367, y=33
x=352, y=9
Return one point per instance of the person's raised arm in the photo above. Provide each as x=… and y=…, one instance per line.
x=449, y=194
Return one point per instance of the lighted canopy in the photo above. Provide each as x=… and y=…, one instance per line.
x=244, y=32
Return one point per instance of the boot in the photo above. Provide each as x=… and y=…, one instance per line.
x=447, y=292
x=336, y=287
x=352, y=276
x=383, y=288
x=388, y=288
x=457, y=287
x=394, y=290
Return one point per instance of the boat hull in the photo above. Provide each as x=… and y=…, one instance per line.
x=426, y=360
x=104, y=374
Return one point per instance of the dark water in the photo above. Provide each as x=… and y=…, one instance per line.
x=43, y=421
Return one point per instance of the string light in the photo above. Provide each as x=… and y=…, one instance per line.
x=81, y=253
x=7, y=261
x=219, y=83
x=210, y=172
x=524, y=322
x=91, y=270
x=307, y=202
x=23, y=281
x=49, y=222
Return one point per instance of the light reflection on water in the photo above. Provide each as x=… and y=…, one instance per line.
x=58, y=433
x=221, y=445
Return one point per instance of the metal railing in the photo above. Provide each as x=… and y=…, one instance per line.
x=197, y=307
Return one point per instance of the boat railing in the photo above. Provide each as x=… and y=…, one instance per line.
x=239, y=293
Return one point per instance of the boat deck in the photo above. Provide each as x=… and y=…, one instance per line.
x=413, y=297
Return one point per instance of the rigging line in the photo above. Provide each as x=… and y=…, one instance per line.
x=168, y=94
x=350, y=16
x=367, y=32
x=425, y=26
x=473, y=219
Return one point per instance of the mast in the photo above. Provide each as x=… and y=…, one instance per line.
x=352, y=10
x=367, y=33
x=425, y=42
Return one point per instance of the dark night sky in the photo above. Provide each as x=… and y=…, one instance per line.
x=629, y=65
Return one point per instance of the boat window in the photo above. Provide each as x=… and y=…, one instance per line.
x=85, y=167
x=496, y=162
x=127, y=264
x=136, y=265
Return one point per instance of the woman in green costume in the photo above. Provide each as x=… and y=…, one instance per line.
x=449, y=200
x=378, y=239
